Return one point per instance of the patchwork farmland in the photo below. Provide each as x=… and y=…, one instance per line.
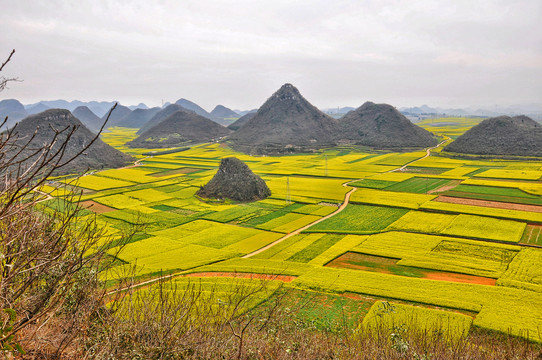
x=399, y=239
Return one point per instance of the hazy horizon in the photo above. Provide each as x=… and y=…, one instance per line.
x=237, y=53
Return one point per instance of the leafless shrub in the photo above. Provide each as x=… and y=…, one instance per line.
x=50, y=258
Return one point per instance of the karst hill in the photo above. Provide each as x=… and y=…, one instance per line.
x=234, y=180
x=382, y=126
x=503, y=135
x=180, y=128
x=44, y=125
x=159, y=117
x=237, y=124
x=88, y=118
x=222, y=114
x=138, y=117
x=286, y=122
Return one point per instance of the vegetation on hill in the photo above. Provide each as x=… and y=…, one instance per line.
x=159, y=117
x=120, y=113
x=286, y=122
x=179, y=128
x=88, y=118
x=13, y=110
x=503, y=135
x=241, y=121
x=56, y=127
x=382, y=126
x=138, y=117
x=234, y=180
x=222, y=112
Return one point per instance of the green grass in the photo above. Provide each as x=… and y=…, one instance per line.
x=359, y=219
x=316, y=248
x=372, y=184
x=418, y=185
x=493, y=193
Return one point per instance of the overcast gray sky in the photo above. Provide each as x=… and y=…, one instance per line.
x=237, y=53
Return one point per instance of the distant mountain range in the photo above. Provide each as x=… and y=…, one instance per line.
x=533, y=110
x=16, y=111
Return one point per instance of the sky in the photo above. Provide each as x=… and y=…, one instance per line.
x=237, y=53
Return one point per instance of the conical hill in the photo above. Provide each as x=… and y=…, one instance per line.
x=44, y=125
x=503, y=135
x=180, y=128
x=382, y=126
x=234, y=180
x=286, y=122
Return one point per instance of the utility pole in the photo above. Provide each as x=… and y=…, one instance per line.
x=288, y=197
x=326, y=164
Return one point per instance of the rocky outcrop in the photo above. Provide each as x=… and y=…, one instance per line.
x=234, y=180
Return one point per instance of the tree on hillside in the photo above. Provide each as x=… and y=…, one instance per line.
x=50, y=254
x=4, y=80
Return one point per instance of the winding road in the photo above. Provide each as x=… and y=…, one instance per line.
x=343, y=205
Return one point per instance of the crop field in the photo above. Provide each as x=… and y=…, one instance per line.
x=511, y=174
x=532, y=235
x=449, y=126
x=391, y=198
x=391, y=316
x=418, y=185
x=422, y=222
x=360, y=219
x=491, y=193
x=484, y=227
x=427, y=237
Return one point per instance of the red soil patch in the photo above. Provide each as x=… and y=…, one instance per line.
x=96, y=207
x=491, y=204
x=462, y=278
x=284, y=278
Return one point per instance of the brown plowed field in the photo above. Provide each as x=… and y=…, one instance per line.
x=491, y=204
x=96, y=207
x=449, y=186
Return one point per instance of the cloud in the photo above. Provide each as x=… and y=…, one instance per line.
x=238, y=52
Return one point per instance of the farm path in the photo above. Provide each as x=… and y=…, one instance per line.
x=296, y=232
x=341, y=208
x=47, y=195
x=136, y=163
x=427, y=154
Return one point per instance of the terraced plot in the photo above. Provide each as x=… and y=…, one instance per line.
x=359, y=219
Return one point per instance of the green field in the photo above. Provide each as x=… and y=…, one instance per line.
x=396, y=239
